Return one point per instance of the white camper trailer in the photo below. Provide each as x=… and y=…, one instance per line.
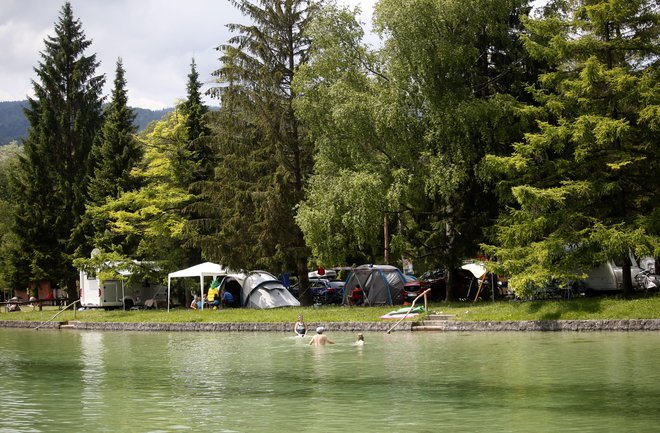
x=118, y=294
x=608, y=277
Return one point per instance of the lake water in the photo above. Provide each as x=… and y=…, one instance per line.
x=85, y=381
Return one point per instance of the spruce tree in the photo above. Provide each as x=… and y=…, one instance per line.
x=115, y=153
x=64, y=117
x=252, y=208
x=197, y=130
x=200, y=161
x=585, y=183
x=117, y=149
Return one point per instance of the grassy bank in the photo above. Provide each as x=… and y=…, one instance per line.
x=603, y=308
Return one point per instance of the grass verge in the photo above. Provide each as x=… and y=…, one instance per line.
x=600, y=308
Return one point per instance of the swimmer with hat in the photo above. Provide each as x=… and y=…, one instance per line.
x=320, y=339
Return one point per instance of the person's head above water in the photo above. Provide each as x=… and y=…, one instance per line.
x=320, y=330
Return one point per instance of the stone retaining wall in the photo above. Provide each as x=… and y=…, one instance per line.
x=234, y=327
x=207, y=327
x=554, y=325
x=28, y=324
x=448, y=326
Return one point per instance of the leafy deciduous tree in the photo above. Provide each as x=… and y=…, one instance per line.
x=146, y=224
x=9, y=155
x=417, y=123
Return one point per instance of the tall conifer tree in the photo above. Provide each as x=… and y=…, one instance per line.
x=64, y=117
x=117, y=150
x=585, y=183
x=264, y=157
x=195, y=160
x=197, y=130
x=115, y=153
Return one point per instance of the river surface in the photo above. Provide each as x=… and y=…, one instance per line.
x=89, y=381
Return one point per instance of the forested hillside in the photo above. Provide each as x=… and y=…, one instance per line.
x=13, y=124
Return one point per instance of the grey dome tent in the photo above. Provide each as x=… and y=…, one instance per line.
x=381, y=284
x=258, y=289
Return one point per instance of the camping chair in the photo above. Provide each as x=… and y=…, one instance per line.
x=357, y=297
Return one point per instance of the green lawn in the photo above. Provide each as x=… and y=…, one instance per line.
x=642, y=307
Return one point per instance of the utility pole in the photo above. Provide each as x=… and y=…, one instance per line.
x=386, y=243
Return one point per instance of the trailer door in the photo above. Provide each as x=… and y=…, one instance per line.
x=112, y=293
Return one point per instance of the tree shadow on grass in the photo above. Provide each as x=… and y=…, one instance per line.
x=556, y=309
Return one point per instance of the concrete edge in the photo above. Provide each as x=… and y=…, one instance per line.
x=448, y=326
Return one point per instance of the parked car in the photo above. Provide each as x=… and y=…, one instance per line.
x=325, y=291
x=338, y=287
x=294, y=290
x=434, y=280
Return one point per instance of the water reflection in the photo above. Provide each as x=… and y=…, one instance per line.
x=93, y=372
x=245, y=382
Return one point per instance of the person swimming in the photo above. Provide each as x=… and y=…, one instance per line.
x=299, y=328
x=320, y=339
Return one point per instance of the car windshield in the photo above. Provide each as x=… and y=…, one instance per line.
x=432, y=275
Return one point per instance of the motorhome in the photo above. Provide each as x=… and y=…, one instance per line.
x=118, y=294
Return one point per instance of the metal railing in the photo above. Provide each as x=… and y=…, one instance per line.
x=77, y=301
x=426, y=308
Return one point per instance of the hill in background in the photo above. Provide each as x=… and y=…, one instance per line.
x=14, y=125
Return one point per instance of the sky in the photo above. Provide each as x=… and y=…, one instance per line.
x=156, y=40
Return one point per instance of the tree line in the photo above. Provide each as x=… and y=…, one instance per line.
x=477, y=126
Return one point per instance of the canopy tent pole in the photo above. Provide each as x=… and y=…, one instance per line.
x=201, y=288
x=169, y=283
x=481, y=283
x=364, y=289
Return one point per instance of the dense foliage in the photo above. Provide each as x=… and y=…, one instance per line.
x=472, y=127
x=584, y=182
x=400, y=133
x=264, y=158
x=64, y=118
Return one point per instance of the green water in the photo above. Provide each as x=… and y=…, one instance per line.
x=70, y=381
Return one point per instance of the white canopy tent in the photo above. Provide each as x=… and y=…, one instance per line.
x=206, y=269
x=476, y=269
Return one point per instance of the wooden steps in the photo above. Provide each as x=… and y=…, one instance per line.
x=68, y=325
x=433, y=322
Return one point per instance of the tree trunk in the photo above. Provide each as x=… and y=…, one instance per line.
x=451, y=285
x=626, y=275
x=451, y=261
x=72, y=290
x=303, y=283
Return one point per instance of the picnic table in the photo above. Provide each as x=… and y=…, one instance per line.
x=35, y=303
